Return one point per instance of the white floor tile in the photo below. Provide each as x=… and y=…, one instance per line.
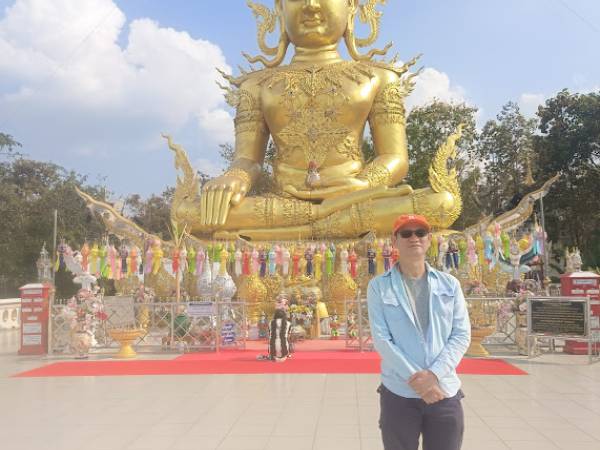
x=556, y=406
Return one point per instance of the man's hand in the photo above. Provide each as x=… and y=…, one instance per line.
x=423, y=381
x=434, y=395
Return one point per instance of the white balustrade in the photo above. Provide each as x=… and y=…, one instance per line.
x=10, y=313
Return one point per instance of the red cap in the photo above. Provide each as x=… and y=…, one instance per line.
x=411, y=219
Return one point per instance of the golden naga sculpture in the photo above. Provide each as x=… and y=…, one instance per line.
x=315, y=110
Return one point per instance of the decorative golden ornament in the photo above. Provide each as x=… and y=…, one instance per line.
x=339, y=289
x=529, y=181
x=190, y=284
x=496, y=279
x=274, y=285
x=162, y=283
x=298, y=281
x=312, y=291
x=252, y=290
x=513, y=219
x=128, y=285
x=143, y=317
x=444, y=180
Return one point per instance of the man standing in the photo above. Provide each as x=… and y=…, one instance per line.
x=420, y=327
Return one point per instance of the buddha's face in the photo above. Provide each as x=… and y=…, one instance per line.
x=315, y=23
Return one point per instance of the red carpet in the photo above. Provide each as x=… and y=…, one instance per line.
x=245, y=362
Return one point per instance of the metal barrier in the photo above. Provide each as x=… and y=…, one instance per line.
x=358, y=331
x=167, y=327
x=10, y=313
x=180, y=327
x=497, y=311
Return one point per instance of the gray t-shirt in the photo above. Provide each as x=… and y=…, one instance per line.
x=417, y=290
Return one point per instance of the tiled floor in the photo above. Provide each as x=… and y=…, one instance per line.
x=556, y=407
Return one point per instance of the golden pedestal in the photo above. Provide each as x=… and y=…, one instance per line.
x=477, y=336
x=125, y=337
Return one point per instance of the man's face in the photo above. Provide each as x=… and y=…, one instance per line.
x=315, y=23
x=412, y=242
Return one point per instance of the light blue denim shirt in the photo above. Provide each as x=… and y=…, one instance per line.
x=403, y=348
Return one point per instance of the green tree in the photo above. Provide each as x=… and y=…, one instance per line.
x=569, y=143
x=152, y=214
x=8, y=145
x=505, y=147
x=368, y=150
x=428, y=127
x=30, y=191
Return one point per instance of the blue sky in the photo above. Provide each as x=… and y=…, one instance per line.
x=495, y=50
x=90, y=84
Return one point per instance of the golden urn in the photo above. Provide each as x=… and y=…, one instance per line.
x=126, y=337
x=476, y=349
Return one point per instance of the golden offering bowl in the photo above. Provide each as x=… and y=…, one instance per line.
x=125, y=337
x=477, y=335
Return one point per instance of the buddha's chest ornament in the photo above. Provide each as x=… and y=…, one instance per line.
x=313, y=99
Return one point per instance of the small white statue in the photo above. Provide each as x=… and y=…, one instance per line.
x=573, y=260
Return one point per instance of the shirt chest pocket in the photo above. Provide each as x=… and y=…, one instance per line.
x=389, y=299
x=394, y=312
x=446, y=304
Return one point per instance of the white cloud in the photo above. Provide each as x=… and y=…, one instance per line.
x=432, y=84
x=209, y=167
x=69, y=92
x=529, y=103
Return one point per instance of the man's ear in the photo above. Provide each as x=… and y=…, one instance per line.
x=429, y=239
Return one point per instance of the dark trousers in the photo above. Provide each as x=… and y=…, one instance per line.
x=403, y=419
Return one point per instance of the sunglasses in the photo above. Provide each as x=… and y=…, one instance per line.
x=406, y=234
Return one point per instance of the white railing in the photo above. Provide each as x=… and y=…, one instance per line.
x=10, y=313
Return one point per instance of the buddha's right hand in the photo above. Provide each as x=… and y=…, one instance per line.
x=218, y=195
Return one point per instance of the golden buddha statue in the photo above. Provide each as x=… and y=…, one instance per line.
x=315, y=110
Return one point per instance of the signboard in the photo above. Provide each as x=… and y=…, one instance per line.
x=201, y=309
x=32, y=339
x=558, y=317
x=32, y=328
x=228, y=333
x=34, y=318
x=120, y=312
x=584, y=282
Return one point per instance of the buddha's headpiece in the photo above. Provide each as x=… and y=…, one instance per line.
x=268, y=20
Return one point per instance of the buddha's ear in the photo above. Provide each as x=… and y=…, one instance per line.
x=367, y=14
x=269, y=19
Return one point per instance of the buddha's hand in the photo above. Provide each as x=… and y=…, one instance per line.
x=334, y=188
x=218, y=195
